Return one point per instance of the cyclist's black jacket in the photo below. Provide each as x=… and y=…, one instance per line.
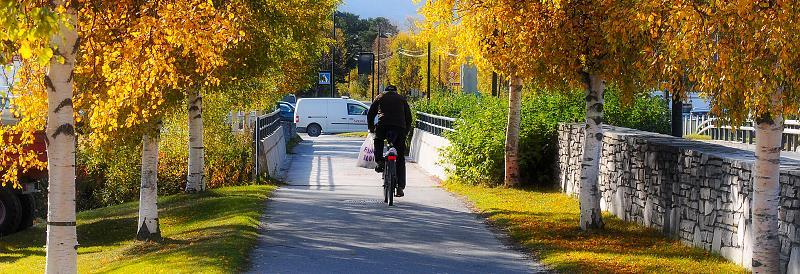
x=392, y=109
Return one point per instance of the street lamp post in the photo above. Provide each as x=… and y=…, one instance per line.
x=333, y=59
x=380, y=35
x=429, y=71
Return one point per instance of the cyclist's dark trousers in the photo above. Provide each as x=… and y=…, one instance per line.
x=395, y=135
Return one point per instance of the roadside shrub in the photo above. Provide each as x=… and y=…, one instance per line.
x=112, y=176
x=227, y=153
x=477, y=150
x=449, y=106
x=477, y=146
x=645, y=112
x=107, y=176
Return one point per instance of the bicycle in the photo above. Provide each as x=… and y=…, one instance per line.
x=390, y=175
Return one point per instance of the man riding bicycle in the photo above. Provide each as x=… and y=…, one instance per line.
x=394, y=123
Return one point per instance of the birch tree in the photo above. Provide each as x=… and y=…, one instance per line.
x=44, y=36
x=195, y=179
x=118, y=100
x=262, y=57
x=558, y=45
x=743, y=55
x=512, y=131
x=148, y=226
x=62, y=240
x=471, y=31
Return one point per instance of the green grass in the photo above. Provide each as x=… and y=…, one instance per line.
x=699, y=137
x=354, y=134
x=211, y=232
x=546, y=223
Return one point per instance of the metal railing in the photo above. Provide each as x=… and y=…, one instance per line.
x=434, y=124
x=746, y=133
x=267, y=124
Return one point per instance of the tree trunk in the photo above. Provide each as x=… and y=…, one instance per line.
x=195, y=179
x=677, y=114
x=512, y=132
x=62, y=240
x=766, y=189
x=591, y=216
x=148, y=227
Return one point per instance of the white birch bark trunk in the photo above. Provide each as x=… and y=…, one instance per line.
x=512, y=132
x=195, y=181
x=591, y=215
x=766, y=190
x=148, y=227
x=62, y=240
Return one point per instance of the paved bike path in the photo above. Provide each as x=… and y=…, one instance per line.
x=331, y=219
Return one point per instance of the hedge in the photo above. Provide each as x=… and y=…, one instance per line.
x=477, y=150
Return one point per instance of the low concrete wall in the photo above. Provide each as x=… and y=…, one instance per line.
x=426, y=152
x=289, y=130
x=272, y=153
x=695, y=191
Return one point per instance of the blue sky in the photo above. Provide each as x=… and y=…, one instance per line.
x=396, y=10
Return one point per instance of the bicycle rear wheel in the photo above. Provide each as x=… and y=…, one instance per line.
x=391, y=182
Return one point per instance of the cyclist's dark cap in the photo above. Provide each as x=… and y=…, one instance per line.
x=390, y=88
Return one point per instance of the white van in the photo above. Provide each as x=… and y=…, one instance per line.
x=330, y=115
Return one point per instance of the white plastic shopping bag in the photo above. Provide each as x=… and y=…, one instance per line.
x=366, y=156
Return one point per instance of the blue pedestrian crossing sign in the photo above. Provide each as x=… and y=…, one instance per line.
x=324, y=77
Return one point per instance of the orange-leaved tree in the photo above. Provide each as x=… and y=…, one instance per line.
x=119, y=98
x=559, y=45
x=743, y=55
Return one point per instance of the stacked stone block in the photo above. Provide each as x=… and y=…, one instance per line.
x=695, y=191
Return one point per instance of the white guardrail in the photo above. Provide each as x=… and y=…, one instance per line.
x=746, y=133
x=435, y=124
x=428, y=143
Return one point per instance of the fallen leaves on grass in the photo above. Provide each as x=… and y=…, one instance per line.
x=546, y=222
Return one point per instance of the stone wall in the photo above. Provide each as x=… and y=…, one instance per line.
x=695, y=191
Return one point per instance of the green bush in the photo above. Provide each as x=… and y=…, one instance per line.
x=477, y=150
x=449, y=106
x=646, y=112
x=107, y=176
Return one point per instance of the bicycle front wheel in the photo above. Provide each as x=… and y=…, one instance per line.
x=386, y=185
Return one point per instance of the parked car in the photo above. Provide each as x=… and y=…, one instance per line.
x=291, y=99
x=286, y=111
x=330, y=115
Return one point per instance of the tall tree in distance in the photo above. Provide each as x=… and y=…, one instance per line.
x=404, y=68
x=268, y=62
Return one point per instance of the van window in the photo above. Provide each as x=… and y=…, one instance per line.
x=356, y=109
